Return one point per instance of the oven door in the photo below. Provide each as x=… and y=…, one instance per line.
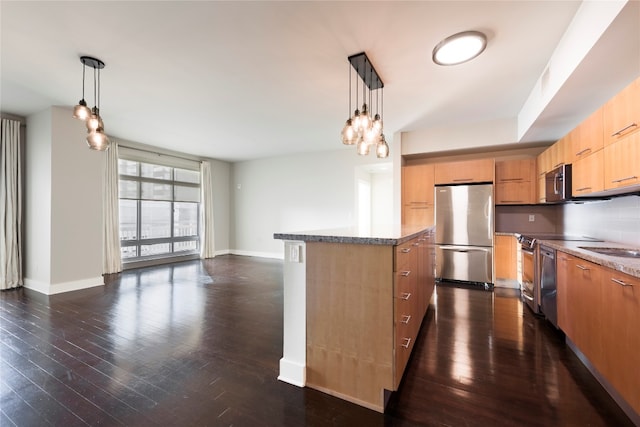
x=528, y=290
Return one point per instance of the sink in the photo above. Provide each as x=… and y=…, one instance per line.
x=621, y=252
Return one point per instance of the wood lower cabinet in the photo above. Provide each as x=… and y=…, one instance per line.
x=365, y=305
x=599, y=311
x=620, y=321
x=505, y=257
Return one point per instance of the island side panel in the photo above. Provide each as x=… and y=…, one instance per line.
x=350, y=321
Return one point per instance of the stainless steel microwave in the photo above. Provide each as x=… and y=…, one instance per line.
x=558, y=184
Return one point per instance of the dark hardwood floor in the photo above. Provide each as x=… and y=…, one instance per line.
x=198, y=343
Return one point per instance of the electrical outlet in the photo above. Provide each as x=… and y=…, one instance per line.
x=294, y=253
x=532, y=218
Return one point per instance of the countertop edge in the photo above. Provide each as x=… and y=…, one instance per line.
x=369, y=240
x=628, y=266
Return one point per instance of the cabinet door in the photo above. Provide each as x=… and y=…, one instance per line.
x=515, y=170
x=515, y=193
x=505, y=248
x=418, y=214
x=581, y=281
x=417, y=184
x=588, y=137
x=621, y=318
x=588, y=174
x=481, y=170
x=622, y=114
x=622, y=162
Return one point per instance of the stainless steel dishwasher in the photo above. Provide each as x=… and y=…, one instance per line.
x=548, y=290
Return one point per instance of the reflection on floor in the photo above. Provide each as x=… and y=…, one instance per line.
x=198, y=343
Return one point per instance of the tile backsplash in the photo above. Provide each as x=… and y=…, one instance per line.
x=515, y=219
x=615, y=220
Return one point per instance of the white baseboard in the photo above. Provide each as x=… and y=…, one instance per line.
x=275, y=255
x=292, y=372
x=58, y=288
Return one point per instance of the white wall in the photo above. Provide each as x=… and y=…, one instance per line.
x=475, y=135
x=37, y=221
x=221, y=174
x=63, y=220
x=293, y=193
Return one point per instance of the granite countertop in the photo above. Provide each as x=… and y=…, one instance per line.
x=630, y=266
x=505, y=233
x=376, y=235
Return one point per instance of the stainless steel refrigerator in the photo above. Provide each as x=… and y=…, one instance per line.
x=464, y=233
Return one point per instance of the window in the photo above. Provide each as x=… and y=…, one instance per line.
x=159, y=210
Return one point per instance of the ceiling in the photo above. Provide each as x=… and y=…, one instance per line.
x=244, y=80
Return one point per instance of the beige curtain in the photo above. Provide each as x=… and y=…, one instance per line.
x=112, y=258
x=10, y=206
x=207, y=249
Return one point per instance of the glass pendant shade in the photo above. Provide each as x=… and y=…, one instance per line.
x=362, y=148
x=370, y=136
x=365, y=119
x=94, y=122
x=97, y=140
x=355, y=120
x=81, y=111
x=382, y=148
x=377, y=124
x=349, y=134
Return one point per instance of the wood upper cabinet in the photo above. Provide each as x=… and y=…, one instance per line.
x=463, y=172
x=621, y=114
x=622, y=162
x=417, y=195
x=588, y=174
x=620, y=318
x=515, y=182
x=588, y=137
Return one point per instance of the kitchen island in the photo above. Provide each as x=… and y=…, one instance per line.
x=354, y=301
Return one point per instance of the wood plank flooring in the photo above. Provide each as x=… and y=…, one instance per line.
x=198, y=344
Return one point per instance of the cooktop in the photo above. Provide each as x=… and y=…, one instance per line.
x=554, y=236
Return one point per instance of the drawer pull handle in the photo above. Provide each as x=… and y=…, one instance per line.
x=405, y=250
x=462, y=179
x=406, y=342
x=583, y=188
x=406, y=318
x=583, y=151
x=405, y=273
x=511, y=201
x=406, y=295
x=620, y=282
x=632, y=125
x=510, y=179
x=582, y=267
x=624, y=179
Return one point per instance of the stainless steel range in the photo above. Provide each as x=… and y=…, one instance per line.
x=531, y=266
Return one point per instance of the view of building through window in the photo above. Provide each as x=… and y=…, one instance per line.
x=159, y=210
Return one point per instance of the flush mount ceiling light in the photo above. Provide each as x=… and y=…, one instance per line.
x=96, y=138
x=459, y=48
x=361, y=129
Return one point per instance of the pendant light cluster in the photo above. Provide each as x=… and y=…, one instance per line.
x=96, y=138
x=361, y=129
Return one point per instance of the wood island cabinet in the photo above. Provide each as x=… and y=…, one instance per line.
x=599, y=311
x=417, y=195
x=515, y=182
x=365, y=305
x=464, y=172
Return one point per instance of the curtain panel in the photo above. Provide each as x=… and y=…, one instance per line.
x=207, y=248
x=10, y=206
x=112, y=257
